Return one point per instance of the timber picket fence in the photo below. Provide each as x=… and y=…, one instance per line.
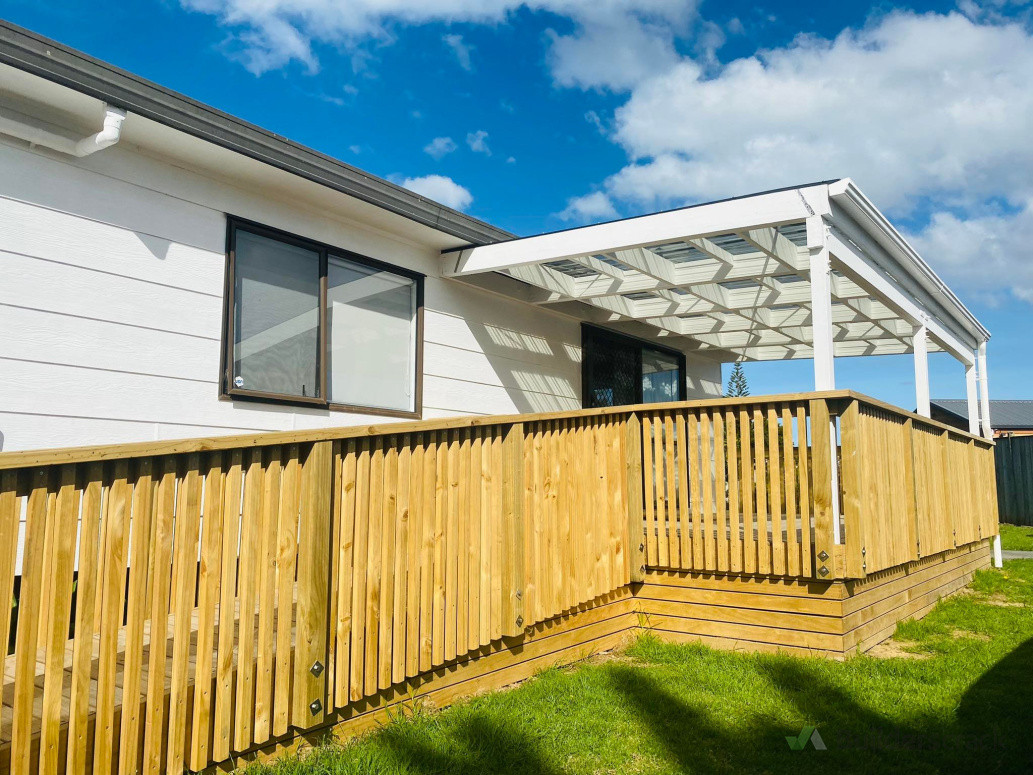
x=180, y=602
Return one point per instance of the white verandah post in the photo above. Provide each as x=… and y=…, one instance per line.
x=824, y=355
x=920, y=344
x=972, y=395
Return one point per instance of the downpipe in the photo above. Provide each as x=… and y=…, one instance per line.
x=34, y=134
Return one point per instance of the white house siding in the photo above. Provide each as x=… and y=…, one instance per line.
x=111, y=280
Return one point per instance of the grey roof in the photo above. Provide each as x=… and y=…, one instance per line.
x=1004, y=414
x=55, y=62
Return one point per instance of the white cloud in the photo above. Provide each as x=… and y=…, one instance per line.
x=460, y=49
x=985, y=256
x=441, y=189
x=910, y=106
x=595, y=206
x=440, y=147
x=478, y=142
x=614, y=42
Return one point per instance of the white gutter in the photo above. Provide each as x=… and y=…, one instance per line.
x=24, y=128
x=846, y=194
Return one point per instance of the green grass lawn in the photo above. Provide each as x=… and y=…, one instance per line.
x=960, y=700
x=1017, y=537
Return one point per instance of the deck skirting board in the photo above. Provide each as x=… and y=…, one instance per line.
x=754, y=614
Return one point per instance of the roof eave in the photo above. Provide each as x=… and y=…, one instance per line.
x=48, y=59
x=846, y=194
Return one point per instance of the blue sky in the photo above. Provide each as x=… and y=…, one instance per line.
x=546, y=114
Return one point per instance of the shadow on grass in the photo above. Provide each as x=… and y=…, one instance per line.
x=992, y=731
x=476, y=745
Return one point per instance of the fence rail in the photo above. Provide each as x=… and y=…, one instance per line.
x=179, y=602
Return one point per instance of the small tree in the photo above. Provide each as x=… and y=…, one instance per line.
x=737, y=385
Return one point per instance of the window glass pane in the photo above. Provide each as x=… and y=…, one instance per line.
x=372, y=320
x=611, y=369
x=660, y=377
x=276, y=317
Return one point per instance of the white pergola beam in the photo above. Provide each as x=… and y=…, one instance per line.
x=876, y=283
x=770, y=209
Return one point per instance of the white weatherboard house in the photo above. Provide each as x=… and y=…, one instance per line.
x=168, y=271
x=175, y=277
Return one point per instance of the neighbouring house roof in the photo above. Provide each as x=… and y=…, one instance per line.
x=61, y=64
x=1004, y=414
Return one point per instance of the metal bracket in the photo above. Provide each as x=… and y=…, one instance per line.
x=520, y=621
x=823, y=555
x=316, y=707
x=823, y=571
x=316, y=669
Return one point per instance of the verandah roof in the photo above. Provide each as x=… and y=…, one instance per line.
x=814, y=271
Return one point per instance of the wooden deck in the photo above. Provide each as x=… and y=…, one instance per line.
x=441, y=557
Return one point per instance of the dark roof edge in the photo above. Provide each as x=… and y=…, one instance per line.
x=55, y=62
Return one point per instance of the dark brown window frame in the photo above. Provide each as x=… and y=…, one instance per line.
x=595, y=333
x=228, y=392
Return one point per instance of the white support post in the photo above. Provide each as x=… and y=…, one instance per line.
x=821, y=319
x=998, y=557
x=821, y=328
x=920, y=343
x=972, y=394
x=984, y=392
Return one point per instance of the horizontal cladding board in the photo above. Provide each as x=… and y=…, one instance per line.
x=44, y=336
x=70, y=239
x=34, y=388
x=553, y=377
x=458, y=395
x=72, y=290
x=73, y=187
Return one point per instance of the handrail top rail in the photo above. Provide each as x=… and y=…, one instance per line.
x=81, y=454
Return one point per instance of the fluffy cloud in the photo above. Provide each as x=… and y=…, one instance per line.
x=928, y=113
x=909, y=106
x=440, y=147
x=592, y=207
x=614, y=43
x=460, y=49
x=441, y=189
x=478, y=142
x=987, y=256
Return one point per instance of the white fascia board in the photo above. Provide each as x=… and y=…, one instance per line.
x=847, y=195
x=890, y=293
x=791, y=205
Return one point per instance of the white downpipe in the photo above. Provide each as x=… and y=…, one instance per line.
x=25, y=129
x=984, y=392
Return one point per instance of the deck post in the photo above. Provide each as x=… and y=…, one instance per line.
x=920, y=344
x=972, y=394
x=984, y=393
x=633, y=466
x=513, y=516
x=313, y=611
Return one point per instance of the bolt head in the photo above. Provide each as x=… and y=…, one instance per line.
x=520, y=621
x=823, y=571
x=316, y=669
x=823, y=555
x=316, y=707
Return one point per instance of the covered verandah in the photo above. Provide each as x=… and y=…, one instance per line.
x=809, y=272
